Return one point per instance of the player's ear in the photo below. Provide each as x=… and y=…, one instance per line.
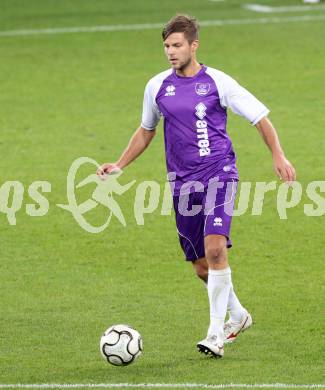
x=195, y=45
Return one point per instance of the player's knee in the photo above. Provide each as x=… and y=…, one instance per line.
x=215, y=251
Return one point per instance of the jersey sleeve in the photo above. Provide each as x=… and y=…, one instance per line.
x=150, y=112
x=237, y=98
x=242, y=102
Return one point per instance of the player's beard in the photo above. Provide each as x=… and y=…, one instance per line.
x=182, y=66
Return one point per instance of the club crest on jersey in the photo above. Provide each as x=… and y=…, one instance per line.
x=202, y=88
x=170, y=90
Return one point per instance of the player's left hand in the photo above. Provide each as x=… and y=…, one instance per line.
x=284, y=169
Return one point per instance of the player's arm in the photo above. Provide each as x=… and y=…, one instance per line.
x=283, y=168
x=142, y=136
x=243, y=103
x=138, y=143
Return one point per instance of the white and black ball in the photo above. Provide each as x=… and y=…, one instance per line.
x=121, y=345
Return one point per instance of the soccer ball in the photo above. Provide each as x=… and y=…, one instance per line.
x=121, y=345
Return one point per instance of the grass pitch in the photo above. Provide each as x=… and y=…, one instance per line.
x=69, y=95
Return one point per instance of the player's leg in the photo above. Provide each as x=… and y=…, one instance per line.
x=201, y=269
x=191, y=237
x=219, y=283
x=216, y=231
x=239, y=318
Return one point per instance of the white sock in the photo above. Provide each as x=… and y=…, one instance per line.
x=236, y=310
x=219, y=284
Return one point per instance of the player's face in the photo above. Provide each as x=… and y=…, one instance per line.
x=179, y=51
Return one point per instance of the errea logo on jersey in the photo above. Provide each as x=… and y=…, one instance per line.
x=200, y=110
x=202, y=130
x=170, y=90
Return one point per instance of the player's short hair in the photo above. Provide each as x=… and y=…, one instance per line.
x=182, y=23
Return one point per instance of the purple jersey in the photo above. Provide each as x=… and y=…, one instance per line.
x=197, y=145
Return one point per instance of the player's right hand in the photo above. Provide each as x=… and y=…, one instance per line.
x=107, y=169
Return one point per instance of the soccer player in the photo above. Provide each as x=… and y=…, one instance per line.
x=193, y=99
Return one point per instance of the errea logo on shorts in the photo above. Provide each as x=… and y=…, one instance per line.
x=217, y=221
x=170, y=90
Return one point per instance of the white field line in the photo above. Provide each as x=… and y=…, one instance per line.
x=152, y=26
x=161, y=386
x=293, y=8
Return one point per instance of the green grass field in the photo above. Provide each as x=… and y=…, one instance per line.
x=80, y=94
